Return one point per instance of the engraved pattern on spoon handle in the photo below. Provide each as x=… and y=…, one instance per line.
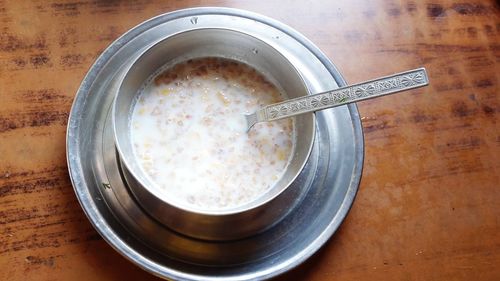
x=366, y=90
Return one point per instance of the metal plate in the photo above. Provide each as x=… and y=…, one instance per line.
x=331, y=177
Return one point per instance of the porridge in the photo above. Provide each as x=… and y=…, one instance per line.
x=189, y=134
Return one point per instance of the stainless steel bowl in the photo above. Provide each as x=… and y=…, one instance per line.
x=226, y=224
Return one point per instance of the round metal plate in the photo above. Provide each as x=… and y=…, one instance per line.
x=330, y=179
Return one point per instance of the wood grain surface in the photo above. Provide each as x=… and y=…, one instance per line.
x=428, y=207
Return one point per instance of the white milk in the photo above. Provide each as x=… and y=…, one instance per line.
x=189, y=134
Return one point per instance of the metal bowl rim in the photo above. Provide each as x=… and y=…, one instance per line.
x=256, y=202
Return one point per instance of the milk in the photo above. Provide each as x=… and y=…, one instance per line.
x=189, y=134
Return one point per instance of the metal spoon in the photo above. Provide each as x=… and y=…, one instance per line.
x=365, y=90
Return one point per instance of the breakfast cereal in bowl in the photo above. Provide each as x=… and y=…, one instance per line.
x=189, y=133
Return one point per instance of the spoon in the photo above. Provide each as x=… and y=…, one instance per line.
x=382, y=86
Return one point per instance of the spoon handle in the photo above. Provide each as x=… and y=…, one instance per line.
x=366, y=90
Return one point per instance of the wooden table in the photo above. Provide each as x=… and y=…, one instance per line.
x=428, y=207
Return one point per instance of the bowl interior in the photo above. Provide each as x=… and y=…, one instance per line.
x=212, y=42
